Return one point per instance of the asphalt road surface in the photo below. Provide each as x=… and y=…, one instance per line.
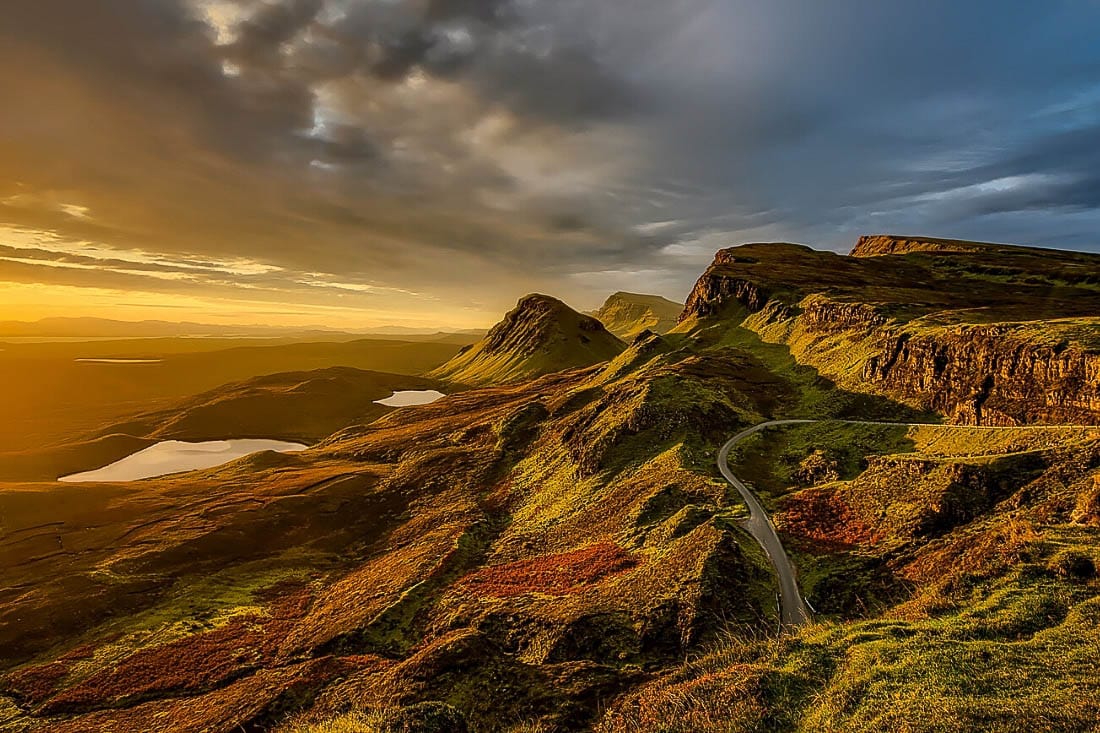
x=793, y=609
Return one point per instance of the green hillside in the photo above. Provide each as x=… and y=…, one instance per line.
x=628, y=314
x=539, y=336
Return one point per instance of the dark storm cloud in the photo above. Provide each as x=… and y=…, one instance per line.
x=505, y=145
x=262, y=33
x=487, y=11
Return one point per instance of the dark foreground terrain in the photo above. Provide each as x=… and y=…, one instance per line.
x=556, y=550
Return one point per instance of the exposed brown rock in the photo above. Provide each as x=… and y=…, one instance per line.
x=989, y=375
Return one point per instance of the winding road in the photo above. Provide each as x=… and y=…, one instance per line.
x=794, y=611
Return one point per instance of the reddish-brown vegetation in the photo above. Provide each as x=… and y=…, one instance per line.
x=985, y=553
x=1087, y=510
x=286, y=600
x=194, y=663
x=559, y=574
x=728, y=699
x=84, y=651
x=822, y=517
x=35, y=684
x=246, y=704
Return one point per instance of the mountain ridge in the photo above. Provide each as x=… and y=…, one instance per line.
x=539, y=336
x=873, y=245
x=937, y=329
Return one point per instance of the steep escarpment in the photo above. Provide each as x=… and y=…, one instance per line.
x=628, y=314
x=997, y=374
x=540, y=335
x=986, y=334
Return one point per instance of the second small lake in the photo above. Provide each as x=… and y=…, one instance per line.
x=410, y=397
x=118, y=361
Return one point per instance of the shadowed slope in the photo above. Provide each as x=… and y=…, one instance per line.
x=65, y=400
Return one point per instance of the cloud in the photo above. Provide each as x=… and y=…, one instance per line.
x=446, y=147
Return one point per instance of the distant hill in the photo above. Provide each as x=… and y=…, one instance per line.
x=291, y=405
x=69, y=400
x=628, y=314
x=539, y=336
x=301, y=406
x=409, y=331
x=86, y=327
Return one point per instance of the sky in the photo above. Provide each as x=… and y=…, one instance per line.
x=354, y=163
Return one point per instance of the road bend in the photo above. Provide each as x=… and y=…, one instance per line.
x=794, y=611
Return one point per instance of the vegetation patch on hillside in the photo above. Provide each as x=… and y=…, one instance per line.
x=559, y=574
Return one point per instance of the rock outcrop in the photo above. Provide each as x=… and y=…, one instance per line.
x=941, y=333
x=989, y=375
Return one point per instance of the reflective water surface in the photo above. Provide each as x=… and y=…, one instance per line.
x=409, y=397
x=174, y=456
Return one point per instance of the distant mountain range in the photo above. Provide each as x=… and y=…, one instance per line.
x=87, y=327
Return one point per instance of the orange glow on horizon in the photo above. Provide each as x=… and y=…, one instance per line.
x=31, y=302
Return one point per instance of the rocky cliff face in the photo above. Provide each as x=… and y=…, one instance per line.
x=720, y=287
x=944, y=337
x=989, y=375
x=982, y=374
x=712, y=293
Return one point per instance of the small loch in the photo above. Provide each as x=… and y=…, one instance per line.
x=176, y=456
x=118, y=361
x=411, y=397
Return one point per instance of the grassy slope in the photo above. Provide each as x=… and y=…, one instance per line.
x=573, y=522
x=545, y=556
x=990, y=632
x=628, y=314
x=1000, y=640
x=489, y=494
